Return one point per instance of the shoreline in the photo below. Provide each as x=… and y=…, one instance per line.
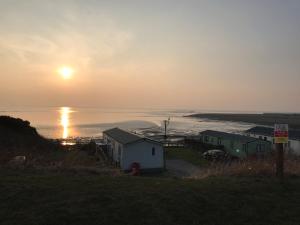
x=263, y=119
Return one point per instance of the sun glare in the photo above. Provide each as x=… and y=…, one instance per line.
x=65, y=121
x=66, y=72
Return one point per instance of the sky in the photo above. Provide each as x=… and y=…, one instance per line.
x=234, y=55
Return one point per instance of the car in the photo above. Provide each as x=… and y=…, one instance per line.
x=214, y=154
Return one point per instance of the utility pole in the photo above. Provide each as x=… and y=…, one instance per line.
x=166, y=123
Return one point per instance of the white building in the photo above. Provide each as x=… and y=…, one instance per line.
x=267, y=133
x=125, y=148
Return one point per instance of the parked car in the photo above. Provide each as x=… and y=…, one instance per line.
x=214, y=154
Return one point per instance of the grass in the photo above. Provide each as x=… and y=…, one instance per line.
x=251, y=167
x=58, y=199
x=187, y=154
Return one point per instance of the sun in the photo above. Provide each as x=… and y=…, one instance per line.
x=66, y=72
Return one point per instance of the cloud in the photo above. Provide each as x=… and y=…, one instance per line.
x=76, y=39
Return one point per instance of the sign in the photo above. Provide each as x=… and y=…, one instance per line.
x=281, y=133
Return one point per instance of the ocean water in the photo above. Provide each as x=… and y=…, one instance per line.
x=71, y=122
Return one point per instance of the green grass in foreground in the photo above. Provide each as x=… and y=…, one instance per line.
x=186, y=154
x=58, y=199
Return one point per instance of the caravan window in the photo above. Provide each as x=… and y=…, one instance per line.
x=153, y=151
x=232, y=144
x=259, y=148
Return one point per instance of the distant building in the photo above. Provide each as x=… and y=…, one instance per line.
x=236, y=145
x=125, y=148
x=267, y=133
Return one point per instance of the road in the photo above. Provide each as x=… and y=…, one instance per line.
x=181, y=168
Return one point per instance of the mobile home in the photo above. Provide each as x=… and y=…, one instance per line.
x=126, y=148
x=236, y=145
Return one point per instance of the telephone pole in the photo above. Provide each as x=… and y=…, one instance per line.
x=166, y=123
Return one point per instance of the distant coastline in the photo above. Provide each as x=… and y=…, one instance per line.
x=266, y=119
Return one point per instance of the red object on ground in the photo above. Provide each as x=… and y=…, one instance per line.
x=135, y=169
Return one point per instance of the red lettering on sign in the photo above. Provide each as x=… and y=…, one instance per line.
x=281, y=134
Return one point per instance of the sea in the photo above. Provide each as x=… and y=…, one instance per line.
x=88, y=122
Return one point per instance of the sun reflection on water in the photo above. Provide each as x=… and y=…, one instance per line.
x=65, y=121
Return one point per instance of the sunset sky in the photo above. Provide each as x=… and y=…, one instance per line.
x=218, y=55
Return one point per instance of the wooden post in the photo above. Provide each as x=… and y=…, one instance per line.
x=281, y=136
x=279, y=161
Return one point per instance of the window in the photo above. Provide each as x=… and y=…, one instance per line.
x=245, y=148
x=259, y=148
x=153, y=151
x=119, y=154
x=265, y=138
x=232, y=144
x=219, y=141
x=206, y=139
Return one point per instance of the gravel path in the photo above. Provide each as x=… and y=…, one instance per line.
x=181, y=168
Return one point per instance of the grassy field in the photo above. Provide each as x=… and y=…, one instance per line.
x=187, y=154
x=53, y=198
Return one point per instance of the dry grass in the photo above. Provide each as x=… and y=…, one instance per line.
x=265, y=168
x=67, y=162
x=80, y=170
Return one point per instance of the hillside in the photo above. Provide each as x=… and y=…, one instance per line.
x=50, y=199
x=17, y=137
